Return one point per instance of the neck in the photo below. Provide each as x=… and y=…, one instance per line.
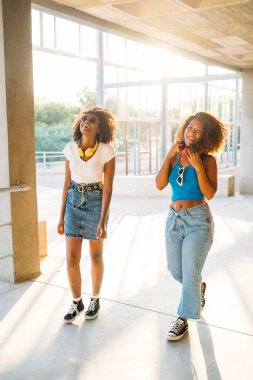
x=87, y=142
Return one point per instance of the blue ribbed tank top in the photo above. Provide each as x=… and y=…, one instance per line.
x=190, y=188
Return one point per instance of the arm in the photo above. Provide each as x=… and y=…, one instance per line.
x=207, y=174
x=67, y=181
x=162, y=176
x=109, y=171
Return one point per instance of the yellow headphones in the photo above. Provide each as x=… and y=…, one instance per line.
x=88, y=152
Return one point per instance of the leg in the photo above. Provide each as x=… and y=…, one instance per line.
x=97, y=265
x=97, y=271
x=74, y=247
x=173, y=241
x=195, y=248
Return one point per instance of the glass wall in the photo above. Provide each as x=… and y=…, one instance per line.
x=149, y=90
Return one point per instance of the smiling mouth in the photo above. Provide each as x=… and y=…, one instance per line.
x=190, y=139
x=85, y=126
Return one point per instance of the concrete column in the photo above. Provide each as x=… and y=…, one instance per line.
x=246, y=141
x=18, y=129
x=6, y=258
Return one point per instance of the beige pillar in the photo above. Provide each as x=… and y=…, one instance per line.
x=16, y=18
x=246, y=141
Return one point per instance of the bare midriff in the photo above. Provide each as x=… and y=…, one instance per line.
x=182, y=205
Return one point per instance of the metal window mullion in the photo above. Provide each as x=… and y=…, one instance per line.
x=126, y=147
x=164, y=113
x=206, y=105
x=41, y=29
x=150, y=148
x=80, y=39
x=135, y=137
x=55, y=33
x=100, y=70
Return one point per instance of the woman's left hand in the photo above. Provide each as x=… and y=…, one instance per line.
x=195, y=160
x=101, y=231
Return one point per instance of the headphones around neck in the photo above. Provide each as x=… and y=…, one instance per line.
x=87, y=152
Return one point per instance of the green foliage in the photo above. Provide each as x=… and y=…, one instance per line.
x=52, y=113
x=53, y=125
x=87, y=98
x=52, y=138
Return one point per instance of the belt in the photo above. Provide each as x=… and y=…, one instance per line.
x=82, y=187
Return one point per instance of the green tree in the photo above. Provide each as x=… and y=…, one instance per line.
x=53, y=124
x=87, y=97
x=51, y=113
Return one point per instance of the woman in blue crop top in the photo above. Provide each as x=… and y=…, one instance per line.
x=191, y=170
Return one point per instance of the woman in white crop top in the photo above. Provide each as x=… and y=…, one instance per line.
x=87, y=191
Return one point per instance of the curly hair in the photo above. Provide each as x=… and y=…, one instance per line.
x=107, y=124
x=214, y=132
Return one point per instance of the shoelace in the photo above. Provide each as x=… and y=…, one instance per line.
x=73, y=308
x=177, y=327
x=92, y=305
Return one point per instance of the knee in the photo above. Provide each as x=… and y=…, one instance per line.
x=96, y=257
x=72, y=259
x=176, y=274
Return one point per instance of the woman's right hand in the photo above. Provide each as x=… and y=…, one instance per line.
x=174, y=150
x=60, y=227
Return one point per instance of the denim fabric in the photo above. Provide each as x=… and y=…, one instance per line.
x=189, y=236
x=83, y=212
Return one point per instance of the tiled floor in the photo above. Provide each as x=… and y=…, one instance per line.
x=139, y=300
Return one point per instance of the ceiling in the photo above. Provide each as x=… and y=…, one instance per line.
x=218, y=30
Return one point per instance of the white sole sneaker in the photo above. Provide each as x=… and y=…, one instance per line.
x=89, y=317
x=174, y=337
x=74, y=318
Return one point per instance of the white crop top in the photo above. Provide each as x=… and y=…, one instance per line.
x=88, y=171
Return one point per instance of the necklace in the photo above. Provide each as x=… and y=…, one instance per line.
x=86, y=153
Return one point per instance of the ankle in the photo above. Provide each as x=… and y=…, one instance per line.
x=78, y=299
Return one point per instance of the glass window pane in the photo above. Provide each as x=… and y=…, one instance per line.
x=115, y=49
x=215, y=70
x=111, y=100
x=88, y=41
x=35, y=27
x=53, y=84
x=221, y=99
x=110, y=74
x=131, y=52
x=48, y=30
x=133, y=102
x=67, y=36
x=122, y=75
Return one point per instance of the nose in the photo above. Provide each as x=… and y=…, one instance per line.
x=192, y=132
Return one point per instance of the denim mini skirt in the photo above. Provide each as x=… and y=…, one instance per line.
x=83, y=210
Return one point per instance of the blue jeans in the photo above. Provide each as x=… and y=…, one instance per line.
x=189, y=236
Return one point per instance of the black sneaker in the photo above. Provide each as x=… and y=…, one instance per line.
x=202, y=295
x=93, y=309
x=75, y=309
x=178, y=330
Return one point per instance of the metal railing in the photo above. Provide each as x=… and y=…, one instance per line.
x=15, y=189
x=45, y=158
x=136, y=157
